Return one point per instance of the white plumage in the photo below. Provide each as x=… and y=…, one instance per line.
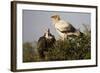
x=64, y=28
x=61, y=26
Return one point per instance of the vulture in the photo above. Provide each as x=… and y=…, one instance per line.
x=45, y=42
x=64, y=28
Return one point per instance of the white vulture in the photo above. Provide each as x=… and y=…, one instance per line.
x=64, y=28
x=45, y=42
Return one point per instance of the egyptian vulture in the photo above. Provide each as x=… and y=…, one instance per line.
x=63, y=28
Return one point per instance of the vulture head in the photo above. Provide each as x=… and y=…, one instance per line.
x=55, y=18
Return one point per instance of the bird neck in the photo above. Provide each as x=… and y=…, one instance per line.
x=46, y=36
x=56, y=21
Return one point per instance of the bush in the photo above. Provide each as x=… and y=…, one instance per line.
x=71, y=49
x=74, y=48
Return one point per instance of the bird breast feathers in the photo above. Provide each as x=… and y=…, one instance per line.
x=62, y=25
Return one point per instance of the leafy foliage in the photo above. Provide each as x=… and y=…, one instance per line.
x=73, y=48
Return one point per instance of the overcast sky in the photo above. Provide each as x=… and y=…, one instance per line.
x=35, y=21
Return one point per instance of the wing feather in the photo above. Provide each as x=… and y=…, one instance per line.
x=64, y=27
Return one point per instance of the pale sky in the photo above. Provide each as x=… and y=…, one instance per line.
x=35, y=21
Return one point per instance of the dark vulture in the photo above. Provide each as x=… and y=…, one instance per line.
x=45, y=42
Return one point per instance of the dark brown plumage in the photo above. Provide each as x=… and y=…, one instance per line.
x=45, y=42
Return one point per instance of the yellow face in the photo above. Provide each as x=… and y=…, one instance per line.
x=54, y=20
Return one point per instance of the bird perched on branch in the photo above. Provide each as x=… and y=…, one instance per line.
x=45, y=42
x=64, y=28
